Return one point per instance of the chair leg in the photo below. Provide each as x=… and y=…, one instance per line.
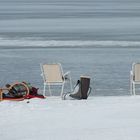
x=62, y=90
x=134, y=90
x=50, y=90
x=44, y=90
x=131, y=88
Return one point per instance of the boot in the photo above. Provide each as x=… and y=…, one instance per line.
x=83, y=88
x=78, y=94
x=85, y=85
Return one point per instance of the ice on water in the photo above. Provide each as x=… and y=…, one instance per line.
x=96, y=38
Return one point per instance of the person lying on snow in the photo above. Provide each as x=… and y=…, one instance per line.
x=22, y=90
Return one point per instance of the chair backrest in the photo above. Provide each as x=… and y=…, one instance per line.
x=52, y=73
x=136, y=71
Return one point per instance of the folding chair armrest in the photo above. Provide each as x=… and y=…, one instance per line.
x=66, y=74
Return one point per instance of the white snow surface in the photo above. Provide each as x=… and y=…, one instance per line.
x=98, y=118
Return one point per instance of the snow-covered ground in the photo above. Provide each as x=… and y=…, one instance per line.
x=98, y=118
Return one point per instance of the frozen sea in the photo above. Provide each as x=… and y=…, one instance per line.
x=99, y=38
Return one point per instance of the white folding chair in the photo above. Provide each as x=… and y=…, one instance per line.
x=53, y=76
x=134, y=77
